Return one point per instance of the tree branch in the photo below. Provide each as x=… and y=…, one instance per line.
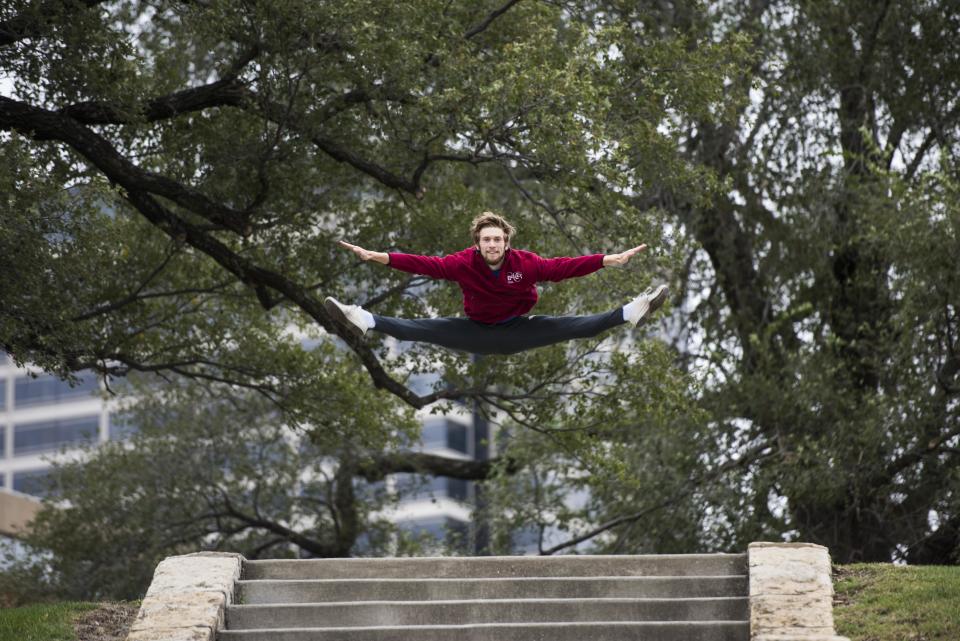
x=917, y=454
x=226, y=92
x=293, y=536
x=482, y=26
x=413, y=281
x=135, y=294
x=279, y=114
x=379, y=466
x=41, y=124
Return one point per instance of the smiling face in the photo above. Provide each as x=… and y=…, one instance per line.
x=492, y=243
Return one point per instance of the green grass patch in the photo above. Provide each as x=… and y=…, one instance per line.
x=41, y=622
x=883, y=602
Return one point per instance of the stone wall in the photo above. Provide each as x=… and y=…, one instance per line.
x=791, y=593
x=187, y=598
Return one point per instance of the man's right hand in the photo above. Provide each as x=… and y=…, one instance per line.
x=622, y=258
x=366, y=254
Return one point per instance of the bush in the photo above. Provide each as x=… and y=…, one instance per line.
x=25, y=576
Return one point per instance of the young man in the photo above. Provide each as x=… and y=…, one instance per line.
x=499, y=288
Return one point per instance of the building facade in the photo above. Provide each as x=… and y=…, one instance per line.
x=43, y=417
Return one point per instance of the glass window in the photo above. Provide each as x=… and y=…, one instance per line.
x=30, y=438
x=3, y=394
x=35, y=482
x=457, y=489
x=445, y=433
x=3, y=443
x=28, y=391
x=411, y=487
x=415, y=486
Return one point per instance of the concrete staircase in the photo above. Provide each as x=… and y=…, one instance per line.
x=569, y=598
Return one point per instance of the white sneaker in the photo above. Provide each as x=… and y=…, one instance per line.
x=644, y=304
x=350, y=315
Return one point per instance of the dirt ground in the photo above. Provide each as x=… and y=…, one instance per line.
x=109, y=622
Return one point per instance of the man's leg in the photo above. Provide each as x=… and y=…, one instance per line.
x=517, y=335
x=460, y=334
x=514, y=336
x=529, y=332
x=454, y=333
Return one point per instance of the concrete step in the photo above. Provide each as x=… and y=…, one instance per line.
x=327, y=590
x=610, y=631
x=401, y=613
x=505, y=567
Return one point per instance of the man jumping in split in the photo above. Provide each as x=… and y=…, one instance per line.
x=499, y=288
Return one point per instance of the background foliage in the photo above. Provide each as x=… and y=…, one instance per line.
x=175, y=176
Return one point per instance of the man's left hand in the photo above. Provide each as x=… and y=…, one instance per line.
x=622, y=258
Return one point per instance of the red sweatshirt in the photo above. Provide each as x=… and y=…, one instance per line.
x=490, y=297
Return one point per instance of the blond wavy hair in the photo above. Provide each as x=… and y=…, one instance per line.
x=490, y=219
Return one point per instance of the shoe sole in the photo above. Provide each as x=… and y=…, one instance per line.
x=659, y=299
x=655, y=303
x=334, y=310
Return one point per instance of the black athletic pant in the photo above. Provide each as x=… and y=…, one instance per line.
x=515, y=335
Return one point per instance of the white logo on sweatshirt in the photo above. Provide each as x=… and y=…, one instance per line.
x=514, y=277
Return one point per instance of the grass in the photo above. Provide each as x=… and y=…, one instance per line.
x=41, y=622
x=883, y=602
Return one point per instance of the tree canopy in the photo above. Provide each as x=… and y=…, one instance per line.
x=214, y=153
x=826, y=275
x=175, y=176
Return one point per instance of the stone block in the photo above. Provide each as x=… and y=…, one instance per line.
x=186, y=608
x=791, y=593
x=776, y=611
x=187, y=598
x=195, y=573
x=173, y=634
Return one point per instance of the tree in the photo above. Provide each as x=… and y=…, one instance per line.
x=822, y=282
x=802, y=183
x=175, y=176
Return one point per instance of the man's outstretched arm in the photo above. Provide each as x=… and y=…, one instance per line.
x=556, y=269
x=432, y=266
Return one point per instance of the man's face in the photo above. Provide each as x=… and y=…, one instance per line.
x=492, y=245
